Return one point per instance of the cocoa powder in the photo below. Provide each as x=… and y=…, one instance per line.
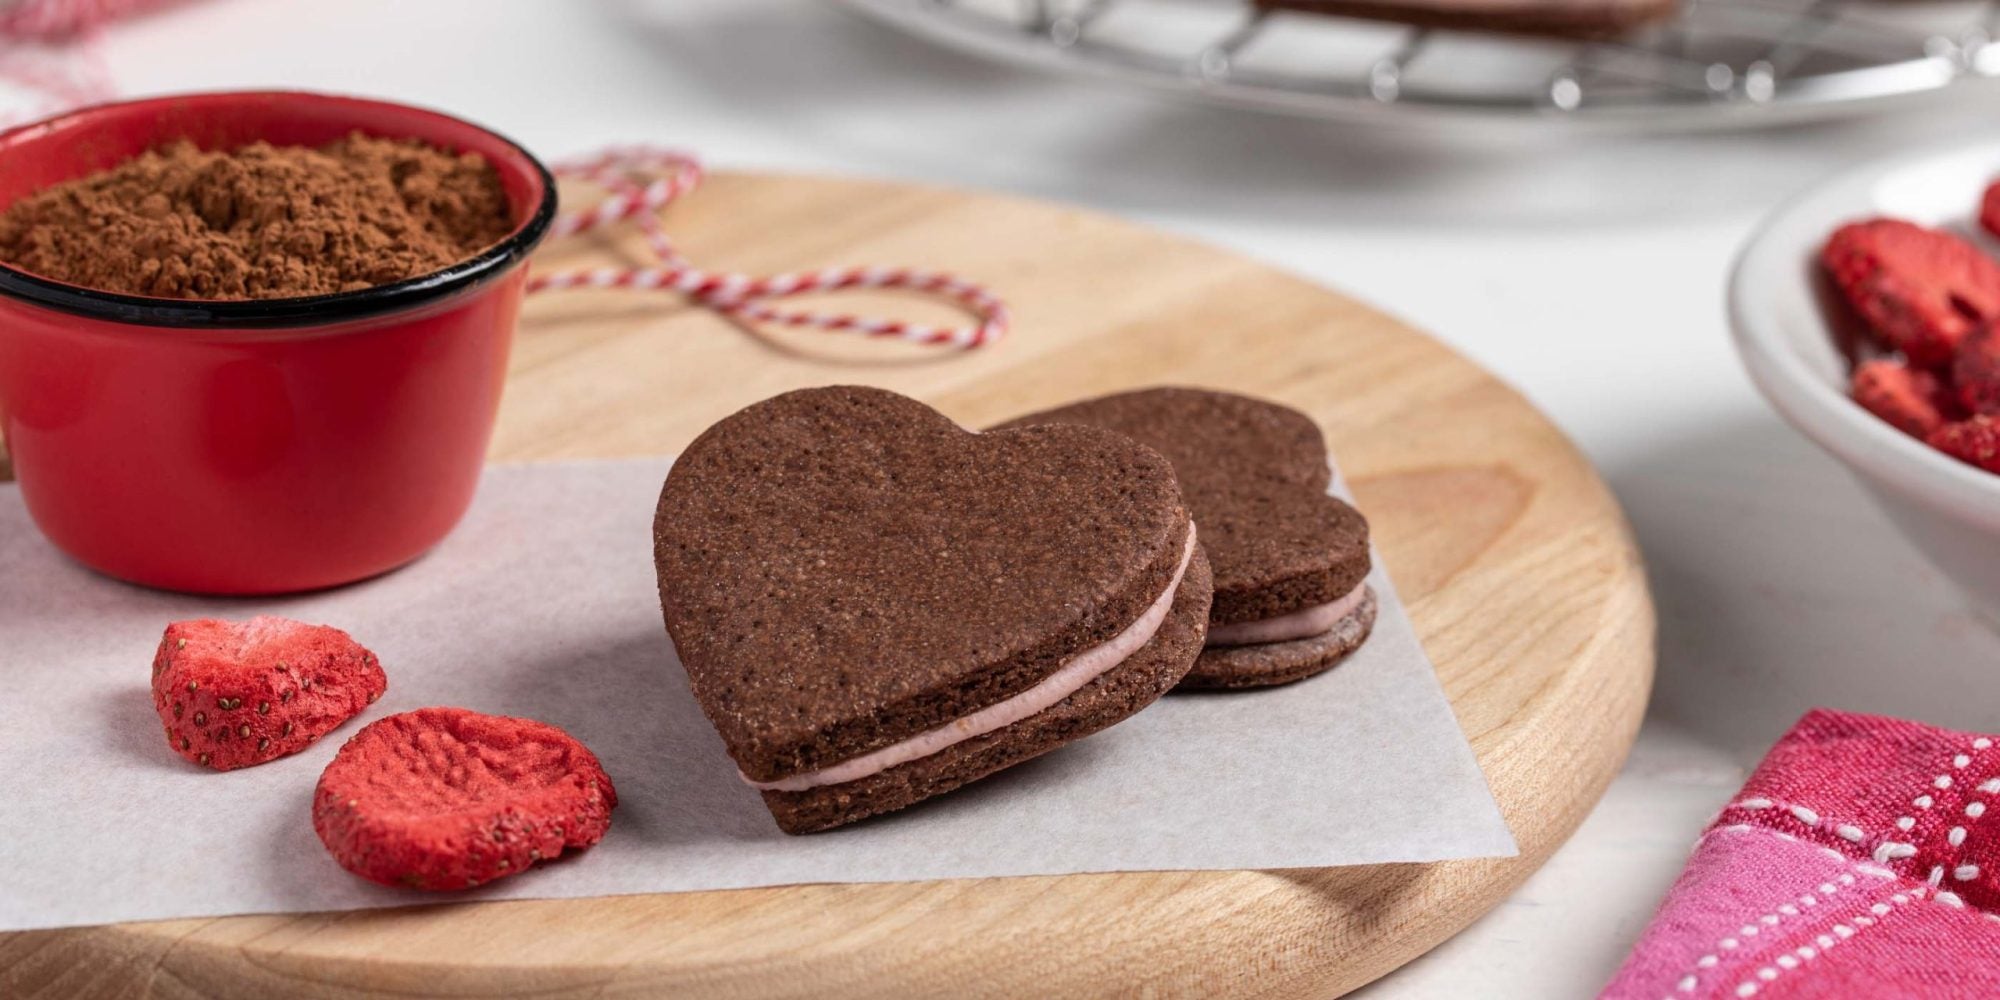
x=261, y=221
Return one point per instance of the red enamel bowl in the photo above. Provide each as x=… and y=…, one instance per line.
x=255, y=447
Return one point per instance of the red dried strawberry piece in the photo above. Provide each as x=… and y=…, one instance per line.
x=1920, y=290
x=1975, y=441
x=1975, y=371
x=1989, y=209
x=445, y=798
x=1913, y=401
x=233, y=694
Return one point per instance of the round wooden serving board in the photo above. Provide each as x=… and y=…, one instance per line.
x=1513, y=557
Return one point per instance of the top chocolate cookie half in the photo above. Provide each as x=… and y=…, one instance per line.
x=842, y=569
x=1255, y=475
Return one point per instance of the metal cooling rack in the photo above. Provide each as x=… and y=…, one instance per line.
x=1717, y=63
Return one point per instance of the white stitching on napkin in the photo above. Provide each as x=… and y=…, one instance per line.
x=1806, y=953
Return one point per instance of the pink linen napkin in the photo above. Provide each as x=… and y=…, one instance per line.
x=64, y=19
x=1858, y=861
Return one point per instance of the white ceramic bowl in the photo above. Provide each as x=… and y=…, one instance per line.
x=1787, y=336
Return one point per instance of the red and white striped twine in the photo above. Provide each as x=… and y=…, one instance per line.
x=641, y=181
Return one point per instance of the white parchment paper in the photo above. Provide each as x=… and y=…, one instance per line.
x=543, y=604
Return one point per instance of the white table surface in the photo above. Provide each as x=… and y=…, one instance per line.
x=1586, y=271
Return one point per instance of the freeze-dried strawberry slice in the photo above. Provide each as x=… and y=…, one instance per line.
x=445, y=798
x=1989, y=209
x=1975, y=441
x=1975, y=371
x=1919, y=290
x=233, y=694
x=1915, y=402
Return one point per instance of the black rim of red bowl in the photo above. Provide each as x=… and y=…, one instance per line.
x=304, y=311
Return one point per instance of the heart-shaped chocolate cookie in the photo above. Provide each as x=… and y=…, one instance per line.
x=875, y=605
x=1289, y=561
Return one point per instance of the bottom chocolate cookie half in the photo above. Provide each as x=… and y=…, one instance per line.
x=1271, y=663
x=1120, y=692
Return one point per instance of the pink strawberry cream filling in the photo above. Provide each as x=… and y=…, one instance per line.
x=1087, y=666
x=1284, y=628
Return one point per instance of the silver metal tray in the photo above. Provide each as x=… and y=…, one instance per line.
x=1718, y=63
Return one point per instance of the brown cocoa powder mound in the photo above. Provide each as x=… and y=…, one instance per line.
x=260, y=222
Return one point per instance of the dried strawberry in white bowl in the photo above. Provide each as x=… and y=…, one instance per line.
x=1866, y=311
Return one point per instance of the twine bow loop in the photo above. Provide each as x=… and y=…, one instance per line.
x=639, y=182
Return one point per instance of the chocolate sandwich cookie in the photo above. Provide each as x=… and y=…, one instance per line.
x=1555, y=18
x=875, y=605
x=1289, y=561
